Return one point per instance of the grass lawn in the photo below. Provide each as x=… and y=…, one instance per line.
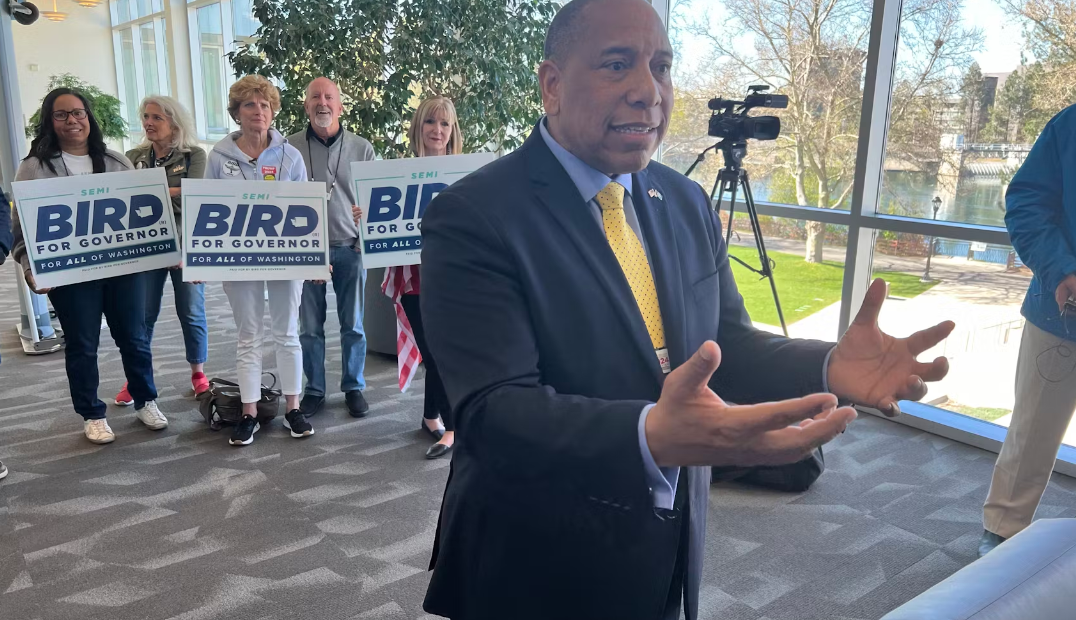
x=983, y=413
x=804, y=288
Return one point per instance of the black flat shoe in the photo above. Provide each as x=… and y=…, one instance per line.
x=438, y=450
x=356, y=404
x=311, y=405
x=436, y=434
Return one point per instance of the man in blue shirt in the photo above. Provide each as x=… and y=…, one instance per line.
x=6, y=239
x=1041, y=218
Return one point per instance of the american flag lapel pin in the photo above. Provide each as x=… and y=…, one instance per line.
x=656, y=194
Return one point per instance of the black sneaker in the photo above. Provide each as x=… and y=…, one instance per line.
x=311, y=405
x=296, y=422
x=3, y=471
x=356, y=404
x=243, y=435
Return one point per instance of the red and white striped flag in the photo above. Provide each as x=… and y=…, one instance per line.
x=400, y=280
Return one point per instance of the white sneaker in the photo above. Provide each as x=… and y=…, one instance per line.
x=98, y=431
x=151, y=416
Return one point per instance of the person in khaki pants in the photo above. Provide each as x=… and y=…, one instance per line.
x=1041, y=218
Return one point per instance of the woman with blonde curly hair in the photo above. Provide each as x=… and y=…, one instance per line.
x=258, y=152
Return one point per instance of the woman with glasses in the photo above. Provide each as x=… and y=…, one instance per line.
x=170, y=145
x=258, y=152
x=68, y=142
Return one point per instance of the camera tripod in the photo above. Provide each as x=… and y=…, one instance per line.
x=730, y=180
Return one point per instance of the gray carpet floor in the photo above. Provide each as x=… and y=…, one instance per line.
x=179, y=525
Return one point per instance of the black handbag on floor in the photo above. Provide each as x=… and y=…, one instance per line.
x=794, y=478
x=221, y=403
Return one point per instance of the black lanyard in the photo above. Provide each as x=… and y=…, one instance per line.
x=157, y=162
x=332, y=173
x=67, y=171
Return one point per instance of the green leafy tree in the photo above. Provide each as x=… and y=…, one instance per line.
x=387, y=56
x=1050, y=35
x=1014, y=118
x=973, y=105
x=105, y=107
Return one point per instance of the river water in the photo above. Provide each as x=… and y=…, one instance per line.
x=978, y=199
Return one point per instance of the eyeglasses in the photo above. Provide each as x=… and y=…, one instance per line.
x=61, y=115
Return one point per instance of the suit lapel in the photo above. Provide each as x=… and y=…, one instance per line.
x=654, y=219
x=555, y=189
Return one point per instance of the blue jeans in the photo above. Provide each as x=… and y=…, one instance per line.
x=190, y=308
x=349, y=282
x=122, y=300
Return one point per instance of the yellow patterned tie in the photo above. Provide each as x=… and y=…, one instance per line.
x=632, y=258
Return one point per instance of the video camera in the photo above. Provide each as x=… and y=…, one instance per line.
x=731, y=122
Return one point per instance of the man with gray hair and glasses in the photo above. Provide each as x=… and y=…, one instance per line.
x=328, y=150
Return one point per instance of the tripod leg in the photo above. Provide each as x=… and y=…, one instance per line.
x=720, y=196
x=760, y=244
x=730, y=185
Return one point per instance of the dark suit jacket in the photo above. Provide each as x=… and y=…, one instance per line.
x=7, y=239
x=547, y=363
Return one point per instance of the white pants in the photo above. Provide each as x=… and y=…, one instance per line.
x=1045, y=400
x=248, y=307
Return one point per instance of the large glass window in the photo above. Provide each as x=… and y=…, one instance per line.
x=960, y=90
x=150, y=59
x=818, y=62
x=243, y=21
x=814, y=56
x=809, y=293
x=124, y=11
x=979, y=286
x=962, y=132
x=215, y=28
x=212, y=63
x=130, y=77
x=141, y=55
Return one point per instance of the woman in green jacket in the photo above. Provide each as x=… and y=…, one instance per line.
x=171, y=144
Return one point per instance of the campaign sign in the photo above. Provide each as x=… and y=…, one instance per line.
x=91, y=227
x=254, y=230
x=394, y=195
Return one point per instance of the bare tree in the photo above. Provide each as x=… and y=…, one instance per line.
x=1050, y=33
x=814, y=51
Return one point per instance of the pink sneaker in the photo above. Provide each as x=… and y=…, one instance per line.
x=124, y=399
x=200, y=383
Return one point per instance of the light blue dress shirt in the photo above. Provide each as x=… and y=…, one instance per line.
x=661, y=480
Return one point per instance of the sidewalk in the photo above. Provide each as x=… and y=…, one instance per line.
x=982, y=298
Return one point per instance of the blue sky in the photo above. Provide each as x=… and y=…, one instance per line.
x=1001, y=51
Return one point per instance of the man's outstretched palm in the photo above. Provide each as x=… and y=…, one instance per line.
x=874, y=369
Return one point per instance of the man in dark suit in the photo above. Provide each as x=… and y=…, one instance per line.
x=562, y=285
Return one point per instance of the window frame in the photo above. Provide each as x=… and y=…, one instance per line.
x=863, y=220
x=157, y=19
x=230, y=44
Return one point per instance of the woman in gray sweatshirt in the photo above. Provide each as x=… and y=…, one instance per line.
x=257, y=152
